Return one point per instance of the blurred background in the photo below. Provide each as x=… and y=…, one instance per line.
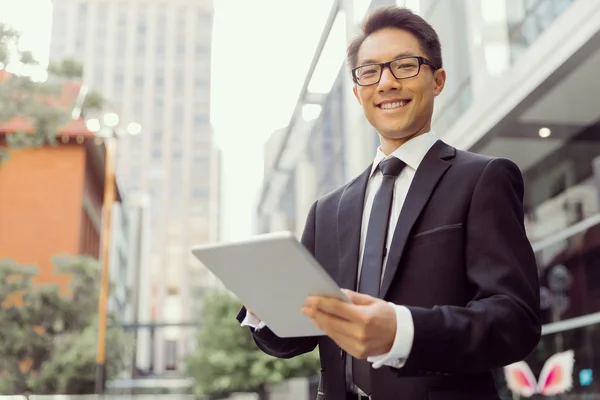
x=131, y=130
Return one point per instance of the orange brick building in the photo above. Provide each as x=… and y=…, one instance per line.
x=51, y=197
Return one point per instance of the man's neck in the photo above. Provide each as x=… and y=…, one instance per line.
x=388, y=146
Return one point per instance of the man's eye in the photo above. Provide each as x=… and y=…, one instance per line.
x=369, y=72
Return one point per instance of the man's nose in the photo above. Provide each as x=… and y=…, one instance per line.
x=388, y=81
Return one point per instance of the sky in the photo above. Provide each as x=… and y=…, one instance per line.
x=276, y=43
x=261, y=52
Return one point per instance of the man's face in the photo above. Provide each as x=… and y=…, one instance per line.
x=415, y=95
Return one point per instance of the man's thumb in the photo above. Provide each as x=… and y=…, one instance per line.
x=358, y=298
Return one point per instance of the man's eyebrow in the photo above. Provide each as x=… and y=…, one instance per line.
x=399, y=55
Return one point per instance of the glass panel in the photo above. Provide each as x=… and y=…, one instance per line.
x=528, y=19
x=560, y=189
x=569, y=272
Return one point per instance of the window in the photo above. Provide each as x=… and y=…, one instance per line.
x=201, y=119
x=200, y=192
x=202, y=49
x=139, y=81
x=181, y=46
x=171, y=355
x=82, y=9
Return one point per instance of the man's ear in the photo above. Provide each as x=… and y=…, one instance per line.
x=439, y=80
x=356, y=94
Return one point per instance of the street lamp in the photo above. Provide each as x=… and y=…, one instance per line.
x=107, y=131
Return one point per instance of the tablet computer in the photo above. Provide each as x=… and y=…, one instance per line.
x=272, y=274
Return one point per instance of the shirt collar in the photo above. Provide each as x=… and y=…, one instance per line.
x=411, y=152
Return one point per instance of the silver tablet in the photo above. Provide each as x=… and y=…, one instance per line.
x=272, y=274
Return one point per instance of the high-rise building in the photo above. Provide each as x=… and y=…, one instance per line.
x=152, y=61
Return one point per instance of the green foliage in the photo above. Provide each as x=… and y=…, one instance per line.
x=48, y=342
x=227, y=359
x=22, y=96
x=71, y=69
x=67, y=68
x=93, y=102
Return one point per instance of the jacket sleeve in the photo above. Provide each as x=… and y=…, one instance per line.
x=264, y=338
x=501, y=324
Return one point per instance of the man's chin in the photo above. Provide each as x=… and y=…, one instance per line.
x=397, y=134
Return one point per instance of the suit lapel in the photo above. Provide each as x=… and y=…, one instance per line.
x=349, y=222
x=431, y=169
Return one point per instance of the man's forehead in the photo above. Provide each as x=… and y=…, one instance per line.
x=375, y=60
x=388, y=44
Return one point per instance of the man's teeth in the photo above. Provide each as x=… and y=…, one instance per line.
x=396, y=104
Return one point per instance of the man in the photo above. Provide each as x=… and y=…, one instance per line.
x=429, y=240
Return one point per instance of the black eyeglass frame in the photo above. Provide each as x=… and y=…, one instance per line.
x=421, y=60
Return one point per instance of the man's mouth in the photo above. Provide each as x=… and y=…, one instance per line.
x=393, y=105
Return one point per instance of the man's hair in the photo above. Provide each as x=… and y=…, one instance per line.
x=400, y=18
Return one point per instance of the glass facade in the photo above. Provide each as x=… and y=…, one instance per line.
x=555, y=140
x=561, y=187
x=528, y=19
x=561, y=190
x=570, y=279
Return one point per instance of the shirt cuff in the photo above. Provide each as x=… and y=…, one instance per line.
x=405, y=332
x=252, y=321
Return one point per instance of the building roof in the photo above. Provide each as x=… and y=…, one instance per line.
x=74, y=129
x=66, y=100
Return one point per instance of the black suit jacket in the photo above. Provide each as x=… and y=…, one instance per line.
x=460, y=261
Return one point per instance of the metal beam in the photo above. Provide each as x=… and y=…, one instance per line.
x=335, y=8
x=314, y=98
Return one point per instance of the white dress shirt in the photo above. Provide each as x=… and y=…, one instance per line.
x=412, y=153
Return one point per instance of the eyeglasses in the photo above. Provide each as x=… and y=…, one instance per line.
x=401, y=68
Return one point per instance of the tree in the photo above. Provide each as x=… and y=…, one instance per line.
x=48, y=340
x=22, y=96
x=70, y=69
x=227, y=359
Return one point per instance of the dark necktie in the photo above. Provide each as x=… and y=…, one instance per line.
x=374, y=253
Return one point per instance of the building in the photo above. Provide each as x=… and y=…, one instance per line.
x=522, y=84
x=52, y=194
x=152, y=60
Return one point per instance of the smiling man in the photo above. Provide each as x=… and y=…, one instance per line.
x=429, y=243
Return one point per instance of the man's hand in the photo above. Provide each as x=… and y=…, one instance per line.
x=364, y=328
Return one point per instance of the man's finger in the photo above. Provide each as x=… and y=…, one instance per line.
x=335, y=307
x=360, y=299
x=331, y=324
